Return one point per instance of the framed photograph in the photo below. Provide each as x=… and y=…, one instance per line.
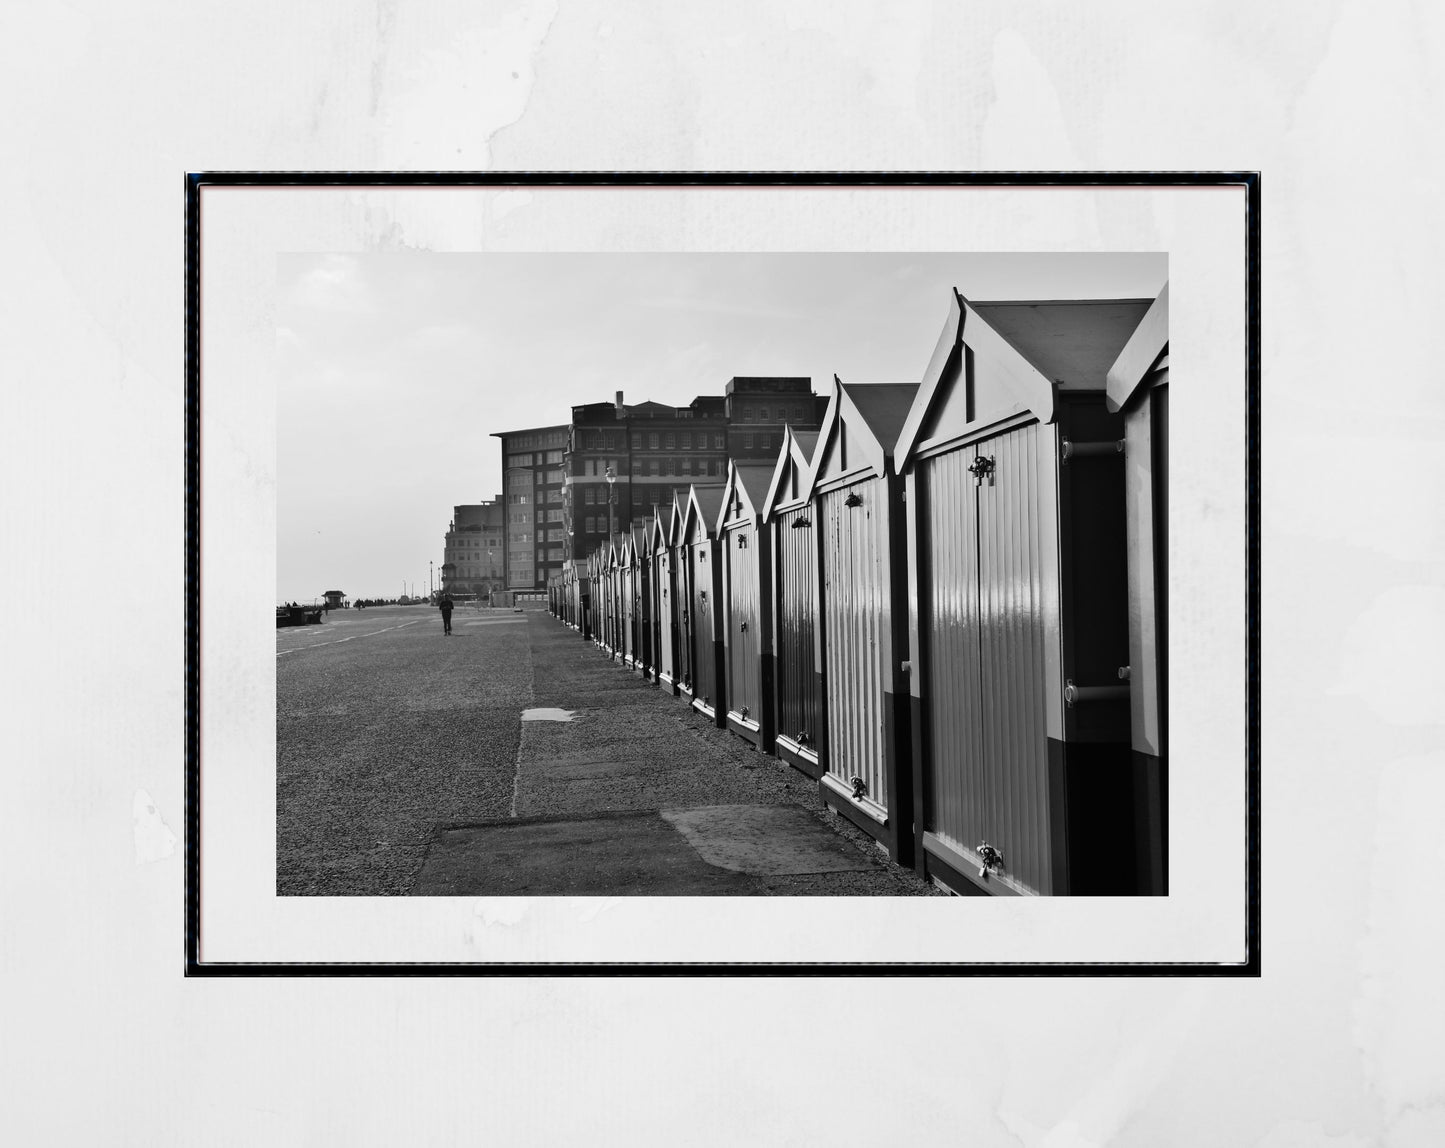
x=721, y=574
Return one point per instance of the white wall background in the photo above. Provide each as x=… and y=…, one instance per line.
x=106, y=105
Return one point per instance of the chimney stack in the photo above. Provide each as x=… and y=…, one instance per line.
x=619, y=403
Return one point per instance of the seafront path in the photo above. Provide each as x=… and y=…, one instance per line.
x=513, y=758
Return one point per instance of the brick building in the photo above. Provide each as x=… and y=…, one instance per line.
x=535, y=542
x=474, y=562
x=652, y=450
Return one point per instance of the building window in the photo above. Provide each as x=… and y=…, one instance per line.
x=554, y=516
x=747, y=442
x=670, y=441
x=719, y=442
x=637, y=466
x=763, y=414
x=652, y=441
x=636, y=440
x=654, y=467
x=767, y=441
x=590, y=495
x=686, y=440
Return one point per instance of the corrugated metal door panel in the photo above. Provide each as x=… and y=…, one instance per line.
x=950, y=631
x=797, y=614
x=753, y=659
x=665, y=618
x=682, y=591
x=1011, y=652
x=856, y=599
x=702, y=665
x=744, y=655
x=624, y=587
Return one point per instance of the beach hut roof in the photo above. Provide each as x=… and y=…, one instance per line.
x=792, y=471
x=748, y=484
x=860, y=428
x=1146, y=351
x=704, y=503
x=1025, y=352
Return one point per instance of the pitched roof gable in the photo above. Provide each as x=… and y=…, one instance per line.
x=1025, y=350
x=1141, y=354
x=866, y=419
x=747, y=483
x=703, y=504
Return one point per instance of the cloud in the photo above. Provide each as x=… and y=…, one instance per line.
x=441, y=337
x=336, y=284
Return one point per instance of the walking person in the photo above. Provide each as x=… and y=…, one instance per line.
x=446, y=608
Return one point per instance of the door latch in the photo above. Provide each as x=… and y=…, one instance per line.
x=989, y=858
x=982, y=467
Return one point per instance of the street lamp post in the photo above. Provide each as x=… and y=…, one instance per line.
x=611, y=504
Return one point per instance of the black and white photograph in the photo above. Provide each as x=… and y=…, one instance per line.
x=698, y=575
x=722, y=575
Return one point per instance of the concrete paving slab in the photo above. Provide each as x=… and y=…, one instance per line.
x=548, y=713
x=765, y=840
x=605, y=854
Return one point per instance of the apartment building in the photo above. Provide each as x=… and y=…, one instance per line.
x=613, y=463
x=474, y=560
x=535, y=543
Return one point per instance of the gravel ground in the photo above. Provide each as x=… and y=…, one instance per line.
x=382, y=737
x=387, y=730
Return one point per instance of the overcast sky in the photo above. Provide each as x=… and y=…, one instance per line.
x=395, y=369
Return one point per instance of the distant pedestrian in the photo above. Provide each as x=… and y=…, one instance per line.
x=446, y=608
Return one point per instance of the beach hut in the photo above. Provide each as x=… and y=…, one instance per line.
x=682, y=603
x=664, y=599
x=626, y=602
x=1138, y=386
x=746, y=624
x=639, y=561
x=1015, y=501
x=698, y=536
x=793, y=604
x=863, y=628
x=615, y=620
